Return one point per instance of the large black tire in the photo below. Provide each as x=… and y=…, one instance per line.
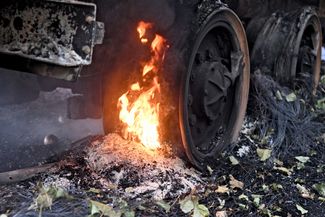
x=215, y=88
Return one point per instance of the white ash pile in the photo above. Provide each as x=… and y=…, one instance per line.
x=137, y=172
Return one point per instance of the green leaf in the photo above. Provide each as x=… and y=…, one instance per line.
x=276, y=187
x=256, y=199
x=264, y=154
x=102, y=209
x=320, y=104
x=129, y=214
x=201, y=211
x=243, y=197
x=291, y=97
x=301, y=209
x=302, y=159
x=320, y=188
x=164, y=205
x=243, y=206
x=94, y=190
x=233, y=160
x=187, y=204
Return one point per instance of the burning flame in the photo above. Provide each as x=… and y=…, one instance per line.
x=139, y=106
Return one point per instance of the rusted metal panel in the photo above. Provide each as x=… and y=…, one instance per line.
x=59, y=32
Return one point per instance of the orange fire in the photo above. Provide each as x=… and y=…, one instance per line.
x=139, y=106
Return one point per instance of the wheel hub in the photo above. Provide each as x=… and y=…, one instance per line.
x=211, y=90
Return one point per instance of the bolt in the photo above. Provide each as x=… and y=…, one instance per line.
x=90, y=19
x=206, y=92
x=36, y=51
x=86, y=49
x=50, y=140
x=70, y=77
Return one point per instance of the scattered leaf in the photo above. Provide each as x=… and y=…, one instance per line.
x=291, y=97
x=267, y=212
x=320, y=169
x=278, y=162
x=234, y=183
x=276, y=187
x=284, y=170
x=191, y=203
x=129, y=213
x=243, y=197
x=233, y=160
x=301, y=209
x=46, y=197
x=201, y=211
x=265, y=188
x=302, y=159
x=320, y=104
x=264, y=154
x=164, y=205
x=256, y=199
x=221, y=214
x=187, y=204
x=210, y=170
x=243, y=206
x=94, y=190
x=100, y=208
x=300, y=166
x=279, y=95
x=222, y=203
x=141, y=207
x=222, y=189
x=320, y=188
x=304, y=192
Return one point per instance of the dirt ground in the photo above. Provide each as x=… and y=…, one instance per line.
x=109, y=176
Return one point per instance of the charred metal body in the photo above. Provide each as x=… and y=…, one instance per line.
x=59, y=33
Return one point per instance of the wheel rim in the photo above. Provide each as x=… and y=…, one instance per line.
x=309, y=53
x=215, y=89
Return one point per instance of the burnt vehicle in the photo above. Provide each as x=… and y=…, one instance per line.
x=209, y=50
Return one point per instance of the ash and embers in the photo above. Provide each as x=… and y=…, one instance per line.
x=132, y=170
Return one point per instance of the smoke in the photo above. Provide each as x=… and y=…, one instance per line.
x=33, y=124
